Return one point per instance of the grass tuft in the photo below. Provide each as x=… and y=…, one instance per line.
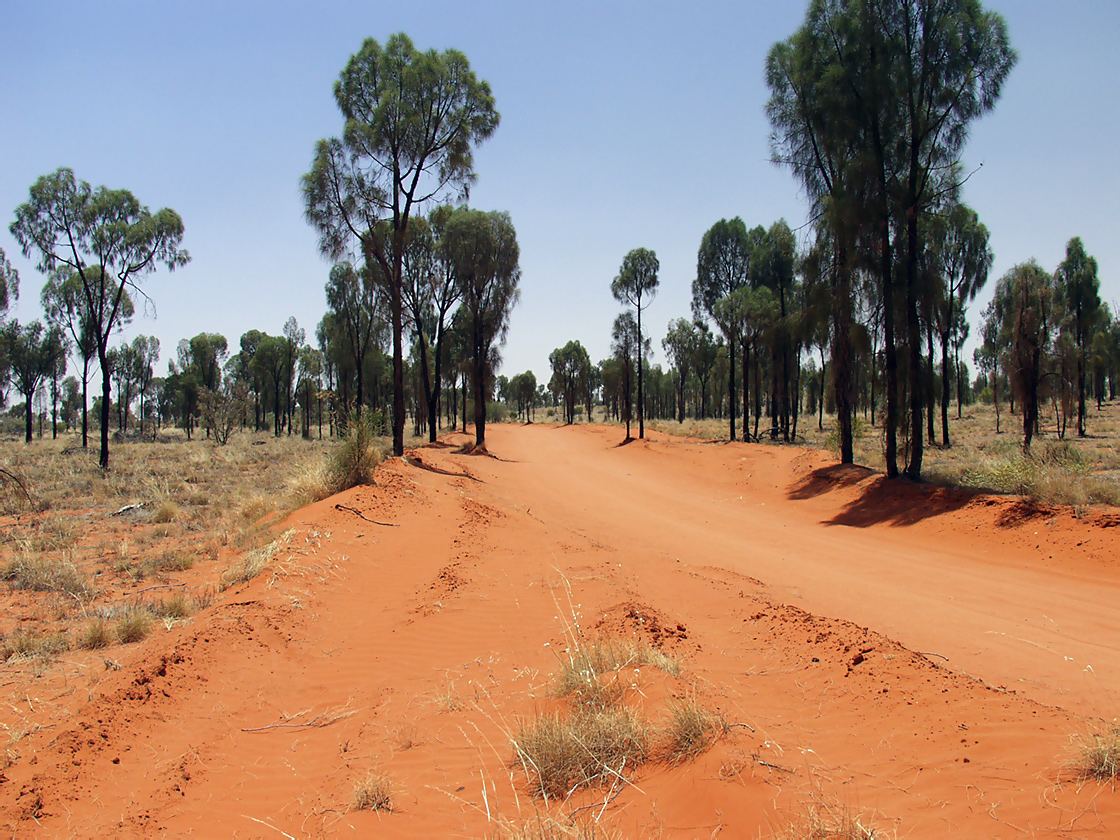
x=95, y=635
x=1098, y=754
x=133, y=626
x=822, y=821
x=691, y=730
x=560, y=753
x=29, y=645
x=373, y=793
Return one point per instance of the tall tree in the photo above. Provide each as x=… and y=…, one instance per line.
x=624, y=344
x=1079, y=290
x=32, y=353
x=723, y=265
x=67, y=222
x=679, y=345
x=412, y=119
x=637, y=279
x=483, y=252
x=63, y=300
x=963, y=258
x=570, y=366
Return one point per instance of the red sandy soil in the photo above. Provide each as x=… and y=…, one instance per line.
x=916, y=655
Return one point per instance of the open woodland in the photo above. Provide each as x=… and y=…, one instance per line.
x=836, y=569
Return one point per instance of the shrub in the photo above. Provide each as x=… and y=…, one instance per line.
x=26, y=643
x=355, y=457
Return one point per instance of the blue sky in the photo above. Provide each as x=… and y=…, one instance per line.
x=623, y=125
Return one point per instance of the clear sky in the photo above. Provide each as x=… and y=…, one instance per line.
x=623, y=125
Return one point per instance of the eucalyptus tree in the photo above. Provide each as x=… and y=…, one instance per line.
x=570, y=366
x=637, y=278
x=871, y=101
x=352, y=297
x=679, y=345
x=481, y=248
x=412, y=119
x=251, y=373
x=772, y=267
x=64, y=303
x=66, y=222
x=963, y=258
x=145, y=354
x=625, y=341
x=32, y=352
x=294, y=335
x=9, y=284
x=1018, y=328
x=722, y=266
x=1079, y=291
x=430, y=294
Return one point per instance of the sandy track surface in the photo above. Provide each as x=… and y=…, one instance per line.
x=916, y=655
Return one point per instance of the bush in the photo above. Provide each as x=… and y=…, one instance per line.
x=374, y=793
x=43, y=573
x=355, y=457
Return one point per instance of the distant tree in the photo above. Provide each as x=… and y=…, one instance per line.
x=32, y=352
x=637, y=278
x=67, y=222
x=9, y=284
x=723, y=265
x=295, y=336
x=483, y=252
x=412, y=119
x=570, y=365
x=624, y=343
x=1024, y=308
x=145, y=354
x=64, y=302
x=679, y=345
x=1079, y=291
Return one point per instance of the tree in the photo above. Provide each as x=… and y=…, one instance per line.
x=871, y=103
x=67, y=222
x=570, y=370
x=1079, y=290
x=723, y=265
x=624, y=343
x=63, y=300
x=1024, y=308
x=145, y=349
x=637, y=278
x=964, y=258
x=483, y=252
x=33, y=352
x=679, y=345
x=9, y=284
x=411, y=120
x=294, y=335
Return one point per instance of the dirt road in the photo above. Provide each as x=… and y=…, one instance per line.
x=916, y=656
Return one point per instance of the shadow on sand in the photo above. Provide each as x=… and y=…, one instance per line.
x=879, y=500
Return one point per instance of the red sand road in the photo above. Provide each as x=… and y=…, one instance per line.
x=917, y=655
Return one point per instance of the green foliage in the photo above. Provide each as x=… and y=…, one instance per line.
x=355, y=457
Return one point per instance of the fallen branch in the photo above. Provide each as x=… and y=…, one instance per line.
x=11, y=476
x=938, y=655
x=320, y=720
x=127, y=508
x=361, y=515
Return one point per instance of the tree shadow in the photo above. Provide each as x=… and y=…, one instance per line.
x=413, y=459
x=626, y=442
x=897, y=502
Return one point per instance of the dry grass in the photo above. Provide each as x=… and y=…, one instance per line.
x=560, y=753
x=39, y=572
x=27, y=644
x=373, y=793
x=543, y=827
x=691, y=729
x=351, y=463
x=134, y=625
x=95, y=635
x=823, y=821
x=254, y=562
x=1097, y=754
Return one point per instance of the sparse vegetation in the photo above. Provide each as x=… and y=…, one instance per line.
x=559, y=753
x=254, y=562
x=1097, y=754
x=133, y=626
x=822, y=821
x=691, y=729
x=95, y=635
x=373, y=793
x=40, y=572
x=29, y=644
